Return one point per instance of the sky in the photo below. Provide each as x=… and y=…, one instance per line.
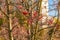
x=53, y=12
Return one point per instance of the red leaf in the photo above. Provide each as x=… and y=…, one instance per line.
x=50, y=21
x=1, y=15
x=20, y=6
x=40, y=17
x=29, y=21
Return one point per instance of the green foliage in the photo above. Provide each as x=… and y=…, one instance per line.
x=20, y=17
x=1, y=21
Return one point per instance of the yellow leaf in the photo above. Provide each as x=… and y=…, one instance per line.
x=2, y=38
x=55, y=20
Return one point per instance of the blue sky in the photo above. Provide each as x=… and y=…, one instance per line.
x=53, y=12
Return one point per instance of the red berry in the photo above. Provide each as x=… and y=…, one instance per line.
x=25, y=12
x=35, y=13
